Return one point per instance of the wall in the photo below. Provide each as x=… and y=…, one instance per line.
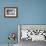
x=29, y=12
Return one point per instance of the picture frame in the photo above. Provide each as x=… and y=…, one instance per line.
x=11, y=12
x=37, y=29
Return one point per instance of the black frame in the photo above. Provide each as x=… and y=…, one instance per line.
x=11, y=16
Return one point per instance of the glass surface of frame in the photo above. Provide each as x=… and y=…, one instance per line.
x=32, y=32
x=11, y=12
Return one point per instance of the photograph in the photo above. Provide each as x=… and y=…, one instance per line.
x=32, y=32
x=11, y=12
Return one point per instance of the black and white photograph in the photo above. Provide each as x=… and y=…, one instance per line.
x=31, y=34
x=10, y=11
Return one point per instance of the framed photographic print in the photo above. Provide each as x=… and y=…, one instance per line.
x=33, y=32
x=11, y=12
